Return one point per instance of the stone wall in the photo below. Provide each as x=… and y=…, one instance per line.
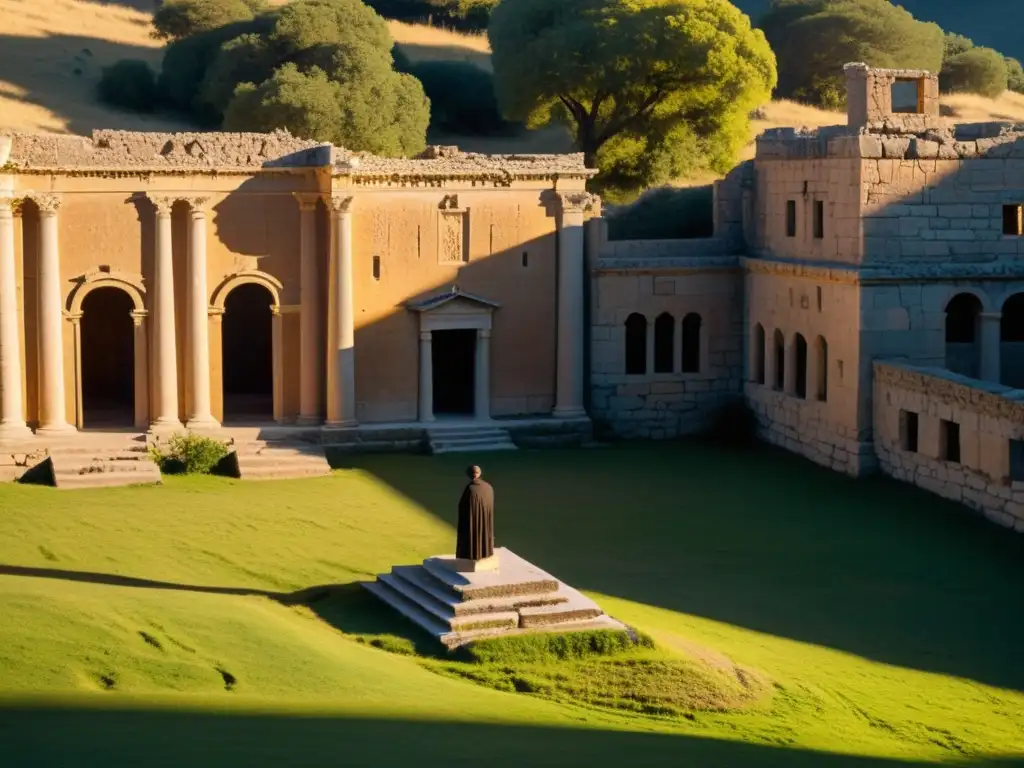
x=988, y=474
x=672, y=403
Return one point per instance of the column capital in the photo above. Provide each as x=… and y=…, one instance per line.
x=990, y=315
x=8, y=204
x=307, y=200
x=578, y=202
x=138, y=316
x=162, y=203
x=426, y=335
x=342, y=204
x=48, y=204
x=197, y=205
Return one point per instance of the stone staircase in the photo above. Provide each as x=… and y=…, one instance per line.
x=277, y=460
x=76, y=467
x=469, y=438
x=516, y=598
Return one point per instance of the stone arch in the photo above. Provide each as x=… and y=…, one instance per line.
x=636, y=344
x=1011, y=341
x=963, y=330
x=131, y=284
x=757, y=350
x=133, y=287
x=271, y=283
x=664, y=343
x=800, y=366
x=779, y=359
x=693, y=331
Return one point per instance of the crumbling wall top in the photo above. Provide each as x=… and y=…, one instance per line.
x=891, y=100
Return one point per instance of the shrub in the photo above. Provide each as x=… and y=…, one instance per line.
x=955, y=44
x=178, y=19
x=1014, y=75
x=461, y=97
x=665, y=213
x=813, y=39
x=129, y=84
x=189, y=454
x=467, y=15
x=734, y=424
x=978, y=70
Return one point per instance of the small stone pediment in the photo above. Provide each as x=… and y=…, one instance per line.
x=453, y=302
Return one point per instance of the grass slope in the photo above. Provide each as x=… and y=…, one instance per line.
x=177, y=625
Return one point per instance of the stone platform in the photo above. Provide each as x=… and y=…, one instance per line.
x=515, y=598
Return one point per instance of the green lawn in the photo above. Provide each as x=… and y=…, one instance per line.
x=170, y=626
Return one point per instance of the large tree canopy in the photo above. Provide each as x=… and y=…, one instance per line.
x=649, y=87
x=813, y=39
x=178, y=19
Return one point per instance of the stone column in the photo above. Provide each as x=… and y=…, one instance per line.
x=571, y=333
x=200, y=415
x=12, y=414
x=52, y=404
x=341, y=370
x=990, y=363
x=427, y=376
x=309, y=317
x=789, y=372
x=165, y=365
x=482, y=380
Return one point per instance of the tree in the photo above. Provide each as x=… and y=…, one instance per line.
x=1014, y=75
x=955, y=44
x=813, y=39
x=178, y=19
x=129, y=84
x=978, y=70
x=629, y=78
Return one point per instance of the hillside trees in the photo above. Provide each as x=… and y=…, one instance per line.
x=321, y=68
x=178, y=19
x=976, y=70
x=813, y=39
x=649, y=90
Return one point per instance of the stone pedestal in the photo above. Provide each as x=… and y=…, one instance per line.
x=465, y=565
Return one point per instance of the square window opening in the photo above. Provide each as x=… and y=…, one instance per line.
x=907, y=97
x=908, y=431
x=1013, y=220
x=949, y=441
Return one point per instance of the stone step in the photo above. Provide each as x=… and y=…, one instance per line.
x=464, y=439
x=514, y=578
x=86, y=457
x=466, y=431
x=106, y=474
x=421, y=579
x=280, y=461
x=455, y=639
x=281, y=473
x=575, y=608
x=443, y=613
x=410, y=610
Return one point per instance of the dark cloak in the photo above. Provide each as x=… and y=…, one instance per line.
x=476, y=521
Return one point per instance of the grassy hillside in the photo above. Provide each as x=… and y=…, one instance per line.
x=995, y=23
x=190, y=624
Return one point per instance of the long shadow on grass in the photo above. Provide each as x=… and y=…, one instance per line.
x=761, y=540
x=130, y=737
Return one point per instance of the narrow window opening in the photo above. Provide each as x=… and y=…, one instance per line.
x=801, y=366
x=376, y=267
x=819, y=298
x=1013, y=220
x=1017, y=461
x=691, y=343
x=636, y=344
x=819, y=220
x=526, y=259
x=664, y=343
x=758, y=354
x=779, y=350
x=908, y=431
x=822, y=392
x=949, y=441
x=791, y=218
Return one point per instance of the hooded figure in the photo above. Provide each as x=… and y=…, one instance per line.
x=476, y=519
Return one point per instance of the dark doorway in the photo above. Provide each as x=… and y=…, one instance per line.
x=108, y=359
x=454, y=361
x=248, y=354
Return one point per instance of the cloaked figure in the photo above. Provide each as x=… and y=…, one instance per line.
x=476, y=519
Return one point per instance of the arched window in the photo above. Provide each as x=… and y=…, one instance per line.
x=779, y=350
x=821, y=372
x=1011, y=336
x=664, y=342
x=800, y=354
x=758, y=357
x=636, y=343
x=962, y=348
x=691, y=343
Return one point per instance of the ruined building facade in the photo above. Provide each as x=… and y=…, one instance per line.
x=863, y=291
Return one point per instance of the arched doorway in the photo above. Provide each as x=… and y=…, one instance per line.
x=1011, y=337
x=108, y=359
x=247, y=347
x=962, y=348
